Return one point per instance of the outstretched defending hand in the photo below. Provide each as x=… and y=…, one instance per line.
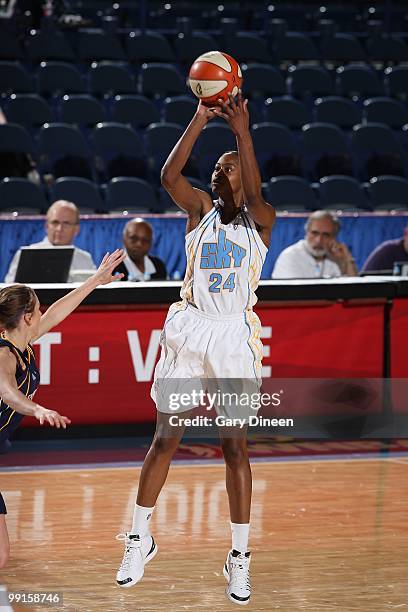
x=235, y=113
x=104, y=273
x=51, y=417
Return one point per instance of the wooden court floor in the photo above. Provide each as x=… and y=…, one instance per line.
x=326, y=535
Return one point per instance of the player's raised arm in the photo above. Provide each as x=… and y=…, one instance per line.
x=194, y=201
x=236, y=115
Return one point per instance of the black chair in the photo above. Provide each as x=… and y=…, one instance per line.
x=10, y=48
x=358, y=81
x=342, y=193
x=179, y=109
x=341, y=111
x=137, y=111
x=58, y=78
x=324, y=151
x=119, y=151
x=248, y=46
x=160, y=139
x=64, y=151
x=342, y=48
x=215, y=139
x=149, y=46
x=157, y=79
x=30, y=110
x=262, y=80
x=396, y=82
x=82, y=192
x=385, y=110
x=387, y=48
x=14, y=79
x=296, y=47
x=108, y=78
x=389, y=192
x=276, y=149
x=291, y=193
x=309, y=81
x=21, y=195
x=15, y=138
x=48, y=45
x=287, y=111
x=377, y=151
x=82, y=110
x=130, y=194
x=94, y=44
x=189, y=47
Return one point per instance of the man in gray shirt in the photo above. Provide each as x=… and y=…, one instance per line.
x=319, y=254
x=62, y=225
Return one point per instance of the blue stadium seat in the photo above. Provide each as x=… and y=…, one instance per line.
x=341, y=48
x=356, y=81
x=58, y=78
x=15, y=138
x=94, y=44
x=28, y=109
x=10, y=48
x=189, y=47
x=287, y=111
x=179, y=109
x=304, y=81
x=130, y=194
x=387, y=49
x=160, y=139
x=137, y=111
x=276, y=149
x=108, y=78
x=385, y=110
x=157, y=79
x=377, y=151
x=167, y=205
x=324, y=151
x=342, y=193
x=82, y=110
x=396, y=82
x=82, y=192
x=21, y=195
x=14, y=79
x=291, y=193
x=149, y=46
x=248, y=46
x=344, y=17
x=119, y=150
x=63, y=151
x=389, y=192
x=215, y=139
x=296, y=47
x=341, y=111
x=262, y=80
x=48, y=45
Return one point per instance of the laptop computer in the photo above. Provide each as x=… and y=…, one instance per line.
x=47, y=265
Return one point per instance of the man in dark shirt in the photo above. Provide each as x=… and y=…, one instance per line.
x=138, y=265
x=384, y=256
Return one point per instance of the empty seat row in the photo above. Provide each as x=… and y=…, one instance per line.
x=115, y=149
x=31, y=110
x=160, y=79
x=290, y=193
x=96, y=44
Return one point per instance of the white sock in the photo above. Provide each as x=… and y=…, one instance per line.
x=141, y=520
x=240, y=536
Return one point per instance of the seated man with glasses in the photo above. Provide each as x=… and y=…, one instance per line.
x=138, y=265
x=319, y=254
x=62, y=225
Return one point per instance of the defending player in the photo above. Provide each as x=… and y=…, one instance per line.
x=213, y=332
x=22, y=324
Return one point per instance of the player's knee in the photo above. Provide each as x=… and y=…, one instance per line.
x=235, y=454
x=164, y=446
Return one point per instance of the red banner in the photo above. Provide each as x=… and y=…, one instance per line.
x=97, y=367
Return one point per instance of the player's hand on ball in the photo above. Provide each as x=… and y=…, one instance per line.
x=235, y=113
x=205, y=112
x=104, y=273
x=51, y=417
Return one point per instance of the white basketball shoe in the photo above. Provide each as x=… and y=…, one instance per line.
x=236, y=571
x=138, y=552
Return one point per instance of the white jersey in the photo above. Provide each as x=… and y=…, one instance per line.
x=224, y=264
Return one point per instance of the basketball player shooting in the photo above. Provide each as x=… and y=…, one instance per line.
x=212, y=332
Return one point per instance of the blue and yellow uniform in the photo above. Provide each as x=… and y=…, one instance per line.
x=27, y=379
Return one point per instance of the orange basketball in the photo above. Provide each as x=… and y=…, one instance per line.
x=213, y=76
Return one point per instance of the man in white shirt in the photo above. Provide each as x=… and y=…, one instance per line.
x=62, y=225
x=138, y=265
x=318, y=255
